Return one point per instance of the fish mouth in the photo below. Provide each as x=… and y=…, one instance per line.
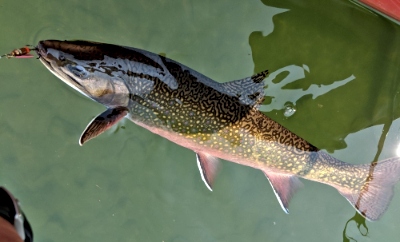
x=49, y=62
x=46, y=63
x=41, y=51
x=55, y=66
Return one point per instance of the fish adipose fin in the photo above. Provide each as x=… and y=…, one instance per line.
x=249, y=90
x=284, y=186
x=102, y=122
x=208, y=166
x=374, y=197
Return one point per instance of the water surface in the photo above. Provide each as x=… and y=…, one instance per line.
x=334, y=62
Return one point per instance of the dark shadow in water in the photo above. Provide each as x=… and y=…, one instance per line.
x=357, y=218
x=327, y=41
x=360, y=222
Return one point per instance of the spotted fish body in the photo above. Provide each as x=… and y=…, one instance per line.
x=215, y=120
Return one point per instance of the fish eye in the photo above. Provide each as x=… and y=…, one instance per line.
x=61, y=58
x=78, y=71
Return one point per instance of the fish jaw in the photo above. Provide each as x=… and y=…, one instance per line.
x=85, y=76
x=52, y=63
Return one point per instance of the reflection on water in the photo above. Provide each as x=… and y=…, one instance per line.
x=398, y=150
x=334, y=53
x=290, y=109
x=150, y=191
x=336, y=88
x=360, y=224
x=386, y=141
x=292, y=74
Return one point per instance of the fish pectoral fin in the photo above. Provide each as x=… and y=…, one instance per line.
x=102, y=122
x=208, y=166
x=284, y=186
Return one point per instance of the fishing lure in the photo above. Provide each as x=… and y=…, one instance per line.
x=19, y=53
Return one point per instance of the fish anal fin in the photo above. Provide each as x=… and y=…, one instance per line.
x=249, y=90
x=208, y=166
x=102, y=122
x=284, y=186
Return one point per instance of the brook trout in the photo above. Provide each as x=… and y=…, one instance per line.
x=215, y=120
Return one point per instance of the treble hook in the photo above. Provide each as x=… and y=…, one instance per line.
x=20, y=53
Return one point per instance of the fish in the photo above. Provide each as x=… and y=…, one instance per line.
x=215, y=120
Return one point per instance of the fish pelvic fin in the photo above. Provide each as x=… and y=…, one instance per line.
x=284, y=187
x=374, y=197
x=208, y=166
x=102, y=122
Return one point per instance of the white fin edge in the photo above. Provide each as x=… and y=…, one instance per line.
x=202, y=173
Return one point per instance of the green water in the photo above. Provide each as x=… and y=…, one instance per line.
x=336, y=63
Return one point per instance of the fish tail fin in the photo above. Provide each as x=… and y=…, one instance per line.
x=373, y=196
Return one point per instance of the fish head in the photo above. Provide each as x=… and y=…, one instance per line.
x=84, y=66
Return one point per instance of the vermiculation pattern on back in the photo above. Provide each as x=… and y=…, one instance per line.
x=215, y=118
x=212, y=119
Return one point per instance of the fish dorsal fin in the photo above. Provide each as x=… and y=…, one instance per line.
x=284, y=186
x=102, y=122
x=249, y=90
x=208, y=167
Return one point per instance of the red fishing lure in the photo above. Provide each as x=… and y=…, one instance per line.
x=19, y=53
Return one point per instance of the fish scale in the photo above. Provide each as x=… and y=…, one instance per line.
x=215, y=120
